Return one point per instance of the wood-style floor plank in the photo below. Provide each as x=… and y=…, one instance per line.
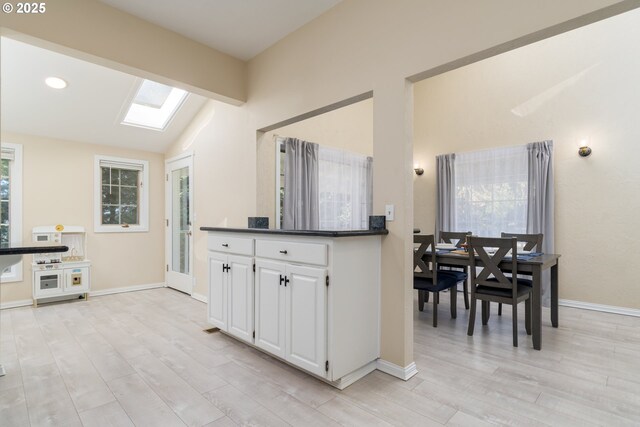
x=142, y=359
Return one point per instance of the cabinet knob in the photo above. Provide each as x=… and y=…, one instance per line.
x=284, y=252
x=225, y=245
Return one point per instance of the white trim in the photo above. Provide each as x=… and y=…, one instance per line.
x=397, y=371
x=16, y=304
x=15, y=208
x=26, y=302
x=354, y=376
x=98, y=227
x=127, y=289
x=182, y=282
x=600, y=307
x=200, y=297
x=279, y=141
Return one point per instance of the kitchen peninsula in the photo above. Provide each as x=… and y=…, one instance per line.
x=309, y=298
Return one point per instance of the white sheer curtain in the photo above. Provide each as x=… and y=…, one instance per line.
x=491, y=191
x=345, y=189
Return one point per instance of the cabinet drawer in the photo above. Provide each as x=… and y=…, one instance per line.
x=306, y=253
x=230, y=244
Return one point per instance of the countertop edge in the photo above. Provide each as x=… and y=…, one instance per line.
x=311, y=233
x=23, y=250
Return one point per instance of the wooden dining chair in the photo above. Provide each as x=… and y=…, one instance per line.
x=427, y=277
x=490, y=284
x=532, y=242
x=461, y=238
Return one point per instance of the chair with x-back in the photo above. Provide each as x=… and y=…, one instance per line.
x=490, y=284
x=460, y=272
x=427, y=278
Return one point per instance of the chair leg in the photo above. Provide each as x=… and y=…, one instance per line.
x=514, y=308
x=436, y=297
x=453, y=291
x=426, y=296
x=472, y=317
x=465, y=290
x=499, y=309
x=485, y=312
x=527, y=314
x=435, y=309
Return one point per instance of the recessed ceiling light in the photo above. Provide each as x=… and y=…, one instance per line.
x=55, y=82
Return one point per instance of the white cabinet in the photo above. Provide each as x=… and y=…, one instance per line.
x=291, y=313
x=313, y=301
x=231, y=294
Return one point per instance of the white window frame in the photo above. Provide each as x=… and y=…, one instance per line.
x=15, y=208
x=98, y=227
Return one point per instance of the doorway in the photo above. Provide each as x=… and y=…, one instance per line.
x=179, y=213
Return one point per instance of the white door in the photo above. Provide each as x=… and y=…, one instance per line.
x=217, y=302
x=306, y=296
x=179, y=217
x=240, y=297
x=269, y=307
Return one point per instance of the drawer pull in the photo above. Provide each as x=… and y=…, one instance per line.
x=281, y=279
x=284, y=252
x=225, y=245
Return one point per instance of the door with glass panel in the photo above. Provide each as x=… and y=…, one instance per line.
x=179, y=217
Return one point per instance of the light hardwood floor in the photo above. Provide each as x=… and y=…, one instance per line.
x=142, y=359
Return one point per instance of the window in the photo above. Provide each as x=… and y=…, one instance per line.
x=491, y=190
x=11, y=205
x=154, y=105
x=122, y=195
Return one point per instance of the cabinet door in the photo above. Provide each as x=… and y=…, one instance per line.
x=76, y=280
x=306, y=297
x=217, y=290
x=269, y=307
x=240, y=292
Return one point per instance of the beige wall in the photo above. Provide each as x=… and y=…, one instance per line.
x=363, y=45
x=224, y=150
x=348, y=128
x=582, y=84
x=96, y=32
x=356, y=47
x=58, y=189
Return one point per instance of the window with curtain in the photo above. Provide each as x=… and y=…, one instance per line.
x=342, y=191
x=491, y=191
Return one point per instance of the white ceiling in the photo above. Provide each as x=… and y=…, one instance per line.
x=241, y=28
x=89, y=110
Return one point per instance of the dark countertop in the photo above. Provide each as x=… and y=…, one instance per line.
x=317, y=233
x=21, y=250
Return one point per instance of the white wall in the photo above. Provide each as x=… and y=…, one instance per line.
x=581, y=84
x=58, y=189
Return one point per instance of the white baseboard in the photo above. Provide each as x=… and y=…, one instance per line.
x=16, y=304
x=600, y=307
x=127, y=289
x=199, y=297
x=354, y=376
x=397, y=371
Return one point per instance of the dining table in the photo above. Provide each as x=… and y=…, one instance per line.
x=531, y=265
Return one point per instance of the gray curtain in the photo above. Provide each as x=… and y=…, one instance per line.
x=300, y=185
x=445, y=193
x=541, y=200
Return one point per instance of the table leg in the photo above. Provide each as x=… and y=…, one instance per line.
x=536, y=309
x=554, y=295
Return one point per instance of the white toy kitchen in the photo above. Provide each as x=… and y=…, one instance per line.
x=61, y=274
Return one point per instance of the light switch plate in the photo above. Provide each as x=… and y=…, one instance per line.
x=389, y=212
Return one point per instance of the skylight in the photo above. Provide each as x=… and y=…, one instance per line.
x=154, y=105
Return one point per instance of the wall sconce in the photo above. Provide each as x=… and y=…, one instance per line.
x=584, y=151
x=418, y=170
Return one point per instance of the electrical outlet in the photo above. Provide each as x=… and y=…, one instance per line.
x=389, y=212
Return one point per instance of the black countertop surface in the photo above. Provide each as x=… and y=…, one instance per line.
x=318, y=233
x=21, y=250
